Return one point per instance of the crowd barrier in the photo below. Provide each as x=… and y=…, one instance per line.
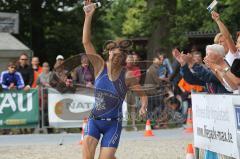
x=216, y=123
x=40, y=108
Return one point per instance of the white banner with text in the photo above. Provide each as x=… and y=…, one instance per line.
x=215, y=124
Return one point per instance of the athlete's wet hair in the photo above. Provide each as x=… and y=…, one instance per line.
x=124, y=46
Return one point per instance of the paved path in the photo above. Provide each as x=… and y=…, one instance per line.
x=166, y=144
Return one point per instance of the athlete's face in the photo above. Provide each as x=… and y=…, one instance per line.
x=116, y=56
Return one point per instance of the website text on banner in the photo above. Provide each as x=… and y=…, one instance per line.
x=236, y=103
x=69, y=110
x=19, y=109
x=214, y=124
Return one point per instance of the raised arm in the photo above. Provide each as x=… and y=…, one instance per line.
x=223, y=29
x=94, y=58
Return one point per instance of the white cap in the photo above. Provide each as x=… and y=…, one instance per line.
x=59, y=57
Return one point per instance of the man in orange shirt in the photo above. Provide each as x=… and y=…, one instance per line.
x=37, y=70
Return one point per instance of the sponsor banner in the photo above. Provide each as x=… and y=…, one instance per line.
x=214, y=124
x=9, y=22
x=69, y=110
x=236, y=104
x=19, y=109
x=237, y=111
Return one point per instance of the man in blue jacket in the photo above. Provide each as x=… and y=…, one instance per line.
x=10, y=79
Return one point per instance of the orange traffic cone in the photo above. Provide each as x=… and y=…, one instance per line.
x=83, y=127
x=190, y=153
x=189, y=126
x=148, y=131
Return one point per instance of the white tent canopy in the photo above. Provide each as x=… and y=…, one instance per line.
x=10, y=49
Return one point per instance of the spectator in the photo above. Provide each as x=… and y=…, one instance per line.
x=187, y=88
x=175, y=77
x=59, y=68
x=139, y=66
x=228, y=75
x=60, y=78
x=170, y=114
x=11, y=79
x=152, y=78
x=131, y=65
x=132, y=99
x=84, y=74
x=224, y=38
x=136, y=58
x=44, y=78
x=37, y=70
x=163, y=70
x=168, y=65
x=43, y=81
x=153, y=82
x=197, y=57
x=59, y=61
x=26, y=71
x=198, y=74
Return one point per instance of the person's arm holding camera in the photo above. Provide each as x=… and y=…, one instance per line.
x=223, y=29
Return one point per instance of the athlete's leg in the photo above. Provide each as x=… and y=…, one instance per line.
x=110, y=139
x=107, y=153
x=89, y=147
x=91, y=138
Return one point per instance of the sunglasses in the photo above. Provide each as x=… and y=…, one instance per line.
x=24, y=59
x=124, y=45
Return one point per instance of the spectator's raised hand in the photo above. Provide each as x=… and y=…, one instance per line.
x=214, y=67
x=187, y=57
x=215, y=16
x=178, y=56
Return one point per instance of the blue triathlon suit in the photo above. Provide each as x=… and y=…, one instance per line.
x=106, y=116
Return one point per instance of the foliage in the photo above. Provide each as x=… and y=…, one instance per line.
x=50, y=31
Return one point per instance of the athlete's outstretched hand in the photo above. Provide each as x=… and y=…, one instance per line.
x=143, y=112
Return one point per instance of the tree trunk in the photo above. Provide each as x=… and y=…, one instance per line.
x=158, y=37
x=37, y=31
